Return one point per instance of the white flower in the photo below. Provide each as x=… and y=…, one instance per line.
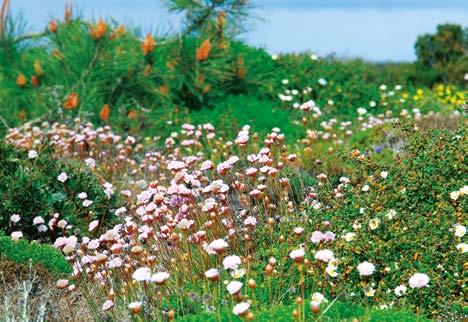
x=38, y=220
x=361, y=111
x=322, y=81
x=418, y=280
x=463, y=247
x=460, y=230
x=285, y=81
x=383, y=87
x=62, y=177
x=160, y=277
x=87, y=203
x=82, y=195
x=16, y=235
x=274, y=56
x=454, y=195
x=93, y=225
x=250, y=221
x=241, y=308
x=317, y=299
x=90, y=162
x=372, y=103
x=135, y=306
x=400, y=290
x=384, y=174
x=325, y=255
x=32, y=154
x=331, y=270
x=374, y=223
x=366, y=269
x=313, y=57
x=212, y=274
x=142, y=274
x=365, y=188
x=231, y=262
x=217, y=246
x=369, y=291
x=297, y=254
x=107, y=305
x=391, y=214
x=234, y=287
x=349, y=236
x=15, y=218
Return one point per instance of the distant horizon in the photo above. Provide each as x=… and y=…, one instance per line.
x=374, y=30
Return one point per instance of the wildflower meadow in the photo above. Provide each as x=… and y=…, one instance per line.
x=193, y=177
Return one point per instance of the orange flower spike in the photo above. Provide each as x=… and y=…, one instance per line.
x=119, y=31
x=71, y=102
x=53, y=26
x=203, y=52
x=21, y=80
x=99, y=30
x=147, y=45
x=105, y=112
x=68, y=12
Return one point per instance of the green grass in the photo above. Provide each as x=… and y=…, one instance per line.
x=339, y=311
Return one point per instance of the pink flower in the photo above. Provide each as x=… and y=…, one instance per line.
x=366, y=269
x=142, y=274
x=62, y=177
x=93, y=225
x=107, y=305
x=231, y=262
x=16, y=235
x=317, y=237
x=325, y=255
x=212, y=274
x=15, y=218
x=418, y=280
x=160, y=277
x=234, y=287
x=241, y=308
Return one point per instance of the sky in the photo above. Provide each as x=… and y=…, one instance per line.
x=376, y=30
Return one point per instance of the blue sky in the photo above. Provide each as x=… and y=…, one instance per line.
x=377, y=30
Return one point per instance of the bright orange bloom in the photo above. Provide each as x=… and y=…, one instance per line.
x=147, y=45
x=21, y=80
x=53, y=26
x=71, y=102
x=99, y=30
x=203, y=52
x=105, y=112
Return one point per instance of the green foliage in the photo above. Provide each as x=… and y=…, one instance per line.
x=339, y=311
x=442, y=56
x=29, y=188
x=21, y=252
x=420, y=236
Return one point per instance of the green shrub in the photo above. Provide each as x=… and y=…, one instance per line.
x=419, y=236
x=30, y=188
x=21, y=252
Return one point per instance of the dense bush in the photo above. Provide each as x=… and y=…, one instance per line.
x=442, y=56
x=406, y=222
x=29, y=188
x=22, y=252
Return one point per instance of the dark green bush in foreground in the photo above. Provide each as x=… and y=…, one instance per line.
x=21, y=252
x=30, y=188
